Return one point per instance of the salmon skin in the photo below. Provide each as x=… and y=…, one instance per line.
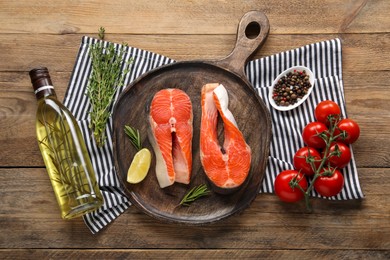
x=226, y=167
x=170, y=119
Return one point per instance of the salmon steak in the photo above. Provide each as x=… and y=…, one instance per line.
x=170, y=119
x=227, y=167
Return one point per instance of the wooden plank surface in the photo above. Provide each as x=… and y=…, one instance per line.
x=30, y=219
x=197, y=17
x=190, y=254
x=35, y=33
x=361, y=52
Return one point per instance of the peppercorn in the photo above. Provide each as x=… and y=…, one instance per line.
x=291, y=88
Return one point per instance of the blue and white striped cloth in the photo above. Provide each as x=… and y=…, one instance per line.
x=323, y=58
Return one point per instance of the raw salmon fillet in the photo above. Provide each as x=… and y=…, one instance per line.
x=226, y=167
x=170, y=119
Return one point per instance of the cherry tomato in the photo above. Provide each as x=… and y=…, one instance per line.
x=329, y=185
x=345, y=155
x=283, y=189
x=300, y=160
x=351, y=129
x=310, y=134
x=326, y=108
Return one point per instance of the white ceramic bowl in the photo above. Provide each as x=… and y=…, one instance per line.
x=300, y=101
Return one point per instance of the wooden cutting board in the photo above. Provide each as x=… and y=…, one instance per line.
x=252, y=117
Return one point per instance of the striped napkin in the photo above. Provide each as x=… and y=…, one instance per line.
x=323, y=58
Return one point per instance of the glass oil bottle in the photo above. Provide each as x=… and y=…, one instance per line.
x=64, y=151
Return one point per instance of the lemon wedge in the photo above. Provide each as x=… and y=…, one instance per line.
x=139, y=167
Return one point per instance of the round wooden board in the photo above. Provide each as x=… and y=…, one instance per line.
x=252, y=118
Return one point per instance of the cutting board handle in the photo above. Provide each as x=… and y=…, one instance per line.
x=252, y=32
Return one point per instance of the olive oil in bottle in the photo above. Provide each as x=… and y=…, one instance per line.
x=64, y=151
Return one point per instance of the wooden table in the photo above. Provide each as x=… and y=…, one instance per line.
x=48, y=33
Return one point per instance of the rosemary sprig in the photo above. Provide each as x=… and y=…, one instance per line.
x=102, y=33
x=194, y=194
x=56, y=145
x=134, y=136
x=108, y=74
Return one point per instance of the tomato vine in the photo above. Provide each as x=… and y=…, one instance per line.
x=327, y=179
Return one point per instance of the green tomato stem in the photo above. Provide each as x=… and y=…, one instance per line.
x=329, y=138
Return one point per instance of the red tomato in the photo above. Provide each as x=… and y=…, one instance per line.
x=310, y=134
x=345, y=155
x=325, y=109
x=283, y=189
x=301, y=157
x=351, y=129
x=329, y=185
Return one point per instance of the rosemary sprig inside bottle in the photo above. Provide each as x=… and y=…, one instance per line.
x=194, y=194
x=108, y=74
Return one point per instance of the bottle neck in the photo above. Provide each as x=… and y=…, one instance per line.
x=45, y=91
x=41, y=81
